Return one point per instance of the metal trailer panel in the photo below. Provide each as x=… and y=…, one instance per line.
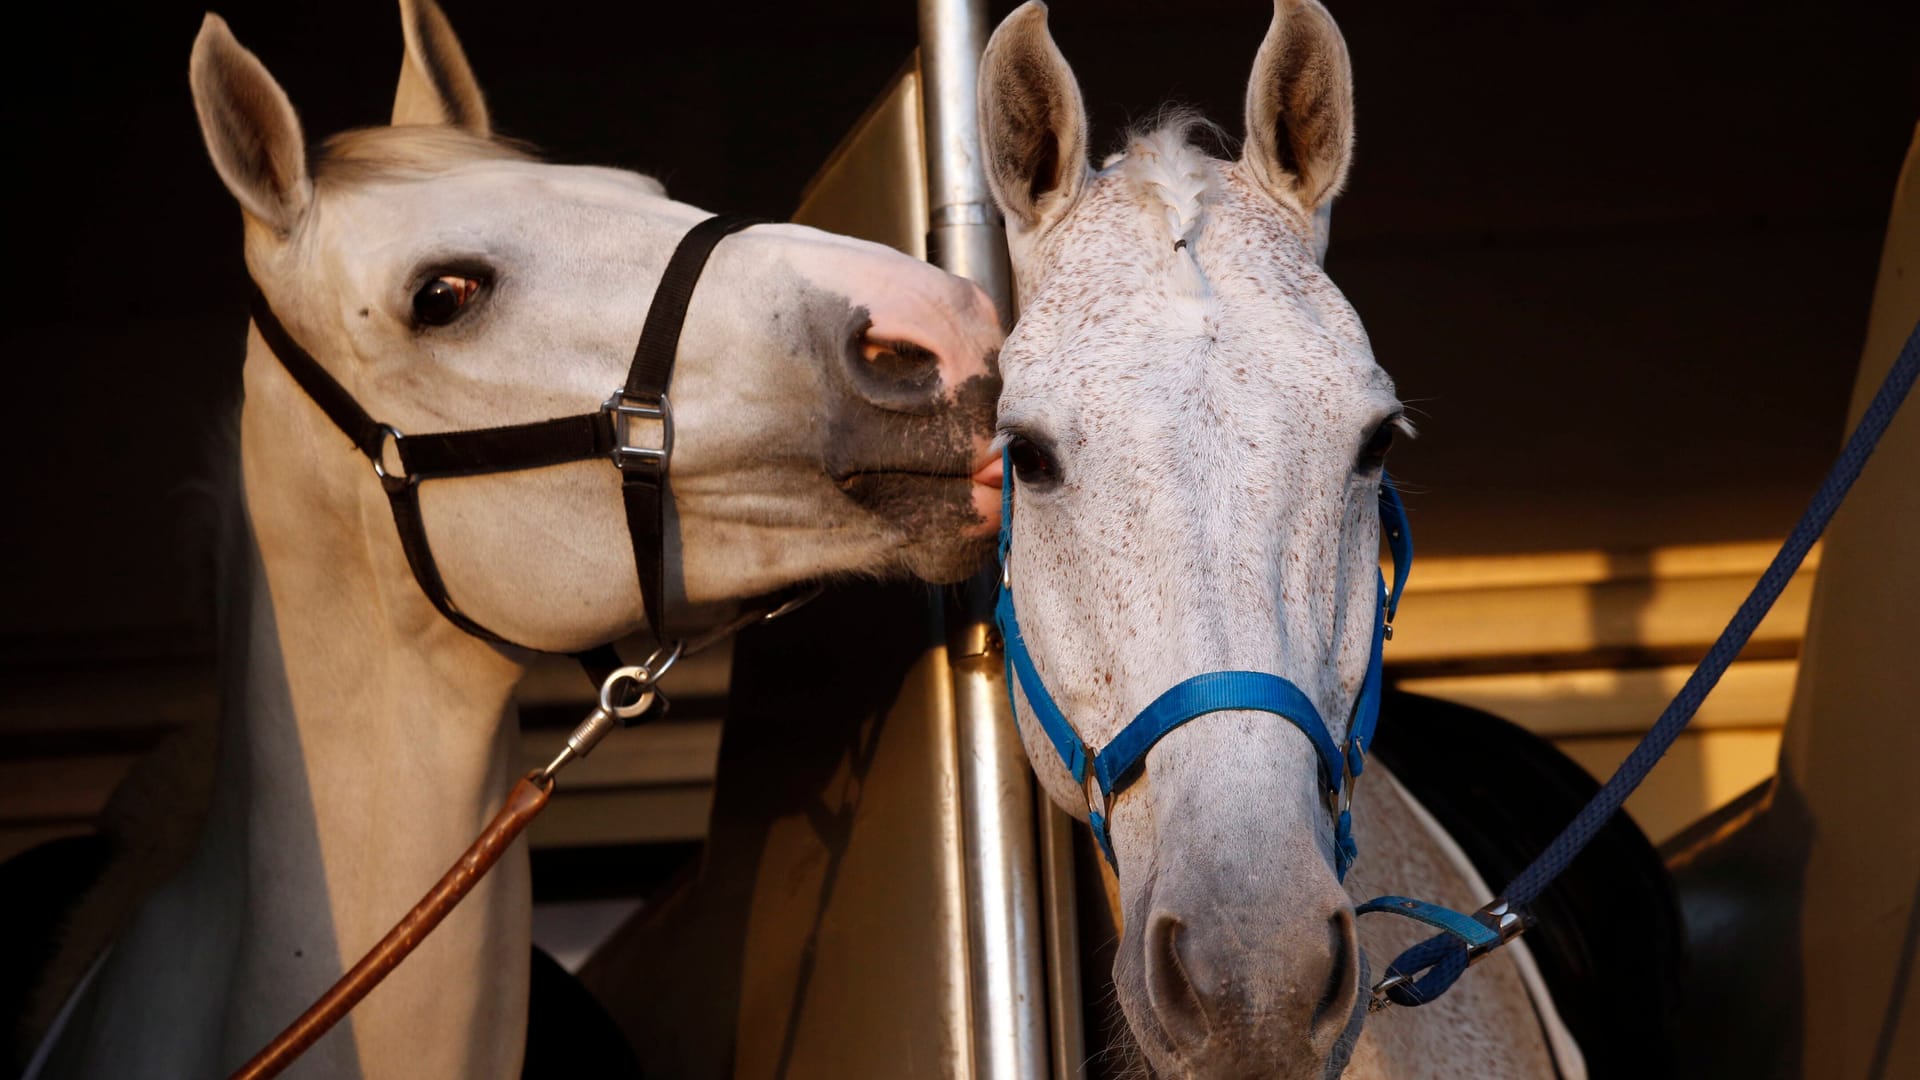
x=1853, y=738
x=872, y=901
x=1803, y=902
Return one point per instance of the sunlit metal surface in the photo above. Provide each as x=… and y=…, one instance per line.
x=874, y=186
x=1004, y=930
x=1060, y=915
x=855, y=963
x=1803, y=914
x=963, y=232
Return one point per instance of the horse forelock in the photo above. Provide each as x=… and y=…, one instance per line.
x=1165, y=165
x=1169, y=172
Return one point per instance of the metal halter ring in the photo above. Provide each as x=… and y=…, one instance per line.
x=388, y=434
x=1098, y=802
x=662, y=659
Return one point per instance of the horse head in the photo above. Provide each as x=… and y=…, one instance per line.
x=831, y=403
x=1197, y=429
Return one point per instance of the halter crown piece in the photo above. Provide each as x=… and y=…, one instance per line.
x=1115, y=766
x=609, y=432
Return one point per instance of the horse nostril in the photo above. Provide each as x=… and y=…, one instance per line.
x=905, y=364
x=1334, y=1011
x=1177, y=1002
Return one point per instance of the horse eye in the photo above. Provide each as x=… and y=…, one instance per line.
x=1374, y=454
x=439, y=300
x=1031, y=461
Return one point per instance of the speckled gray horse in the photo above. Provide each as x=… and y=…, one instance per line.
x=1198, y=429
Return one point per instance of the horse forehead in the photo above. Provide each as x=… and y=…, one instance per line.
x=497, y=195
x=1244, y=287
x=1229, y=363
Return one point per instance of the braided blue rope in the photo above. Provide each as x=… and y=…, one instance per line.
x=1444, y=957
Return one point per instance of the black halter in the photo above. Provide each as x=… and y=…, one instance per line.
x=608, y=432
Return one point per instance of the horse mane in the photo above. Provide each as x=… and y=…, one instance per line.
x=407, y=151
x=1166, y=166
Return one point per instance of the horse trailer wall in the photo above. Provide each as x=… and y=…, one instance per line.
x=1804, y=911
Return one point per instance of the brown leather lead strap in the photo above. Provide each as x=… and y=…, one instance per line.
x=526, y=799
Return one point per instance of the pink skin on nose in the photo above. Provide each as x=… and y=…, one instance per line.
x=951, y=317
x=986, y=494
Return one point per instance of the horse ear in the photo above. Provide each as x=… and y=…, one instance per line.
x=1300, y=107
x=251, y=131
x=1033, y=127
x=436, y=84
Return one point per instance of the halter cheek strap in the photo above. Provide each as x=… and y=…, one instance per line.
x=611, y=432
x=1105, y=774
x=643, y=470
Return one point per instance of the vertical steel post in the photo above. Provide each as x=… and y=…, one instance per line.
x=1061, y=915
x=964, y=234
x=1001, y=865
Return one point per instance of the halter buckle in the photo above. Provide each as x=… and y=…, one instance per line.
x=624, y=410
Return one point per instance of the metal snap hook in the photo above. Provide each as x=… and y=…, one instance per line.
x=1499, y=916
x=642, y=677
x=611, y=711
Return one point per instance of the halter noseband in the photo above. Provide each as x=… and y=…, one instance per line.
x=610, y=432
x=1105, y=774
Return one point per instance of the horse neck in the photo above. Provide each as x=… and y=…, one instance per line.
x=365, y=742
x=377, y=742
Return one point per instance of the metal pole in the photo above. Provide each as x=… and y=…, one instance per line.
x=1061, y=913
x=964, y=233
x=1001, y=867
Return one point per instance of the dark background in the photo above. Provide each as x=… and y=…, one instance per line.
x=1619, y=255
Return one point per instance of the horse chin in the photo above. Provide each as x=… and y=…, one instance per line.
x=947, y=527
x=948, y=559
x=1232, y=1056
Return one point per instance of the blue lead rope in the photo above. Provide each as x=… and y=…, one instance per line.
x=1444, y=956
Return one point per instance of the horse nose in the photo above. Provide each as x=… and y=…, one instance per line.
x=932, y=339
x=1294, y=985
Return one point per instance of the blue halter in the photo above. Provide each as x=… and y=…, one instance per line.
x=1114, y=767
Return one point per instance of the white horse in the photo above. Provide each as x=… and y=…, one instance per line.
x=833, y=400
x=1197, y=427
